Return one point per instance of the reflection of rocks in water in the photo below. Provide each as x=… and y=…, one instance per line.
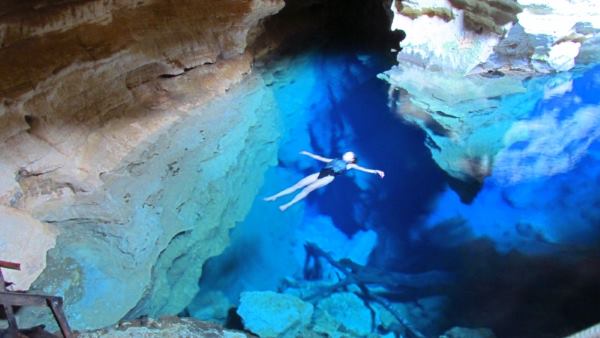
x=548, y=145
x=539, y=196
x=464, y=117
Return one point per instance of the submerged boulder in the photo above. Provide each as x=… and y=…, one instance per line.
x=271, y=314
x=343, y=315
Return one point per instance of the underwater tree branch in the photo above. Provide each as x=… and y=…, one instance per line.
x=361, y=276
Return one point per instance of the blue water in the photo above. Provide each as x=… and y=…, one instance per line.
x=524, y=251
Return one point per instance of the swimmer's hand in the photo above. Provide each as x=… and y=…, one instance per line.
x=304, y=152
x=380, y=173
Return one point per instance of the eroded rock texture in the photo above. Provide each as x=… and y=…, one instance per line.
x=461, y=59
x=114, y=128
x=476, y=35
x=78, y=74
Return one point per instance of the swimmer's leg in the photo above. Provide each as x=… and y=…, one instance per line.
x=302, y=183
x=314, y=186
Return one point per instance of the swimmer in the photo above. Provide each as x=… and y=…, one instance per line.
x=333, y=168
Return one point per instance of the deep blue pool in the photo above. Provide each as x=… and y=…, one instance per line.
x=523, y=251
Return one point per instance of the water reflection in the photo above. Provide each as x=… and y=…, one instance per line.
x=547, y=145
x=525, y=247
x=537, y=161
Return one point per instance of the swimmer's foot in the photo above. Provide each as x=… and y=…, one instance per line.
x=269, y=199
x=283, y=207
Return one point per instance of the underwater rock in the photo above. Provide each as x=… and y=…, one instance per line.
x=211, y=305
x=306, y=88
x=465, y=89
x=109, y=131
x=165, y=327
x=461, y=332
x=137, y=246
x=343, y=314
x=24, y=240
x=271, y=314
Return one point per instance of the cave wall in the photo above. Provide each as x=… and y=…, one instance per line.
x=460, y=58
x=77, y=74
x=127, y=129
x=472, y=36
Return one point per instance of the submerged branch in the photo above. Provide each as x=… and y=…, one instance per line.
x=362, y=277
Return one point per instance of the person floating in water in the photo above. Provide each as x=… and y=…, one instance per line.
x=315, y=181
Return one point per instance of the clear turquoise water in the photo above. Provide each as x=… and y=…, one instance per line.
x=524, y=251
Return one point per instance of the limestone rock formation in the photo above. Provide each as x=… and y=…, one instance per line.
x=78, y=74
x=126, y=126
x=461, y=77
x=460, y=35
x=24, y=240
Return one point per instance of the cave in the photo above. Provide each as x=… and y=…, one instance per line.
x=142, y=139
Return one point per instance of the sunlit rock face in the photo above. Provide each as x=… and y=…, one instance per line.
x=477, y=35
x=25, y=240
x=130, y=127
x=463, y=63
x=82, y=76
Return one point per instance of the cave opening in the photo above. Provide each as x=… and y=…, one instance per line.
x=353, y=24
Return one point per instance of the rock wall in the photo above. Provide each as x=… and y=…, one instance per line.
x=130, y=128
x=476, y=35
x=460, y=59
x=82, y=73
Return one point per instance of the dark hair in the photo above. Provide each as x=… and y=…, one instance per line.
x=355, y=159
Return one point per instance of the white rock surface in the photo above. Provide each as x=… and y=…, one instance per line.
x=24, y=240
x=555, y=31
x=433, y=42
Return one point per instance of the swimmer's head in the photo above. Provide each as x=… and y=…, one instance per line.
x=349, y=157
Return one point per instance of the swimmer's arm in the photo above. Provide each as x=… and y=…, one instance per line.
x=316, y=157
x=366, y=170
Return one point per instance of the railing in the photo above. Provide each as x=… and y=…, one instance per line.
x=8, y=299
